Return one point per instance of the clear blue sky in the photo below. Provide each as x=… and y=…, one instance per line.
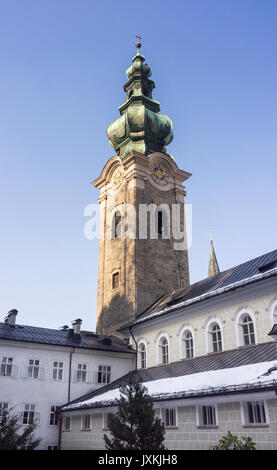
x=63, y=65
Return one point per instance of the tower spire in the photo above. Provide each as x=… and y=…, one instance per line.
x=140, y=127
x=213, y=269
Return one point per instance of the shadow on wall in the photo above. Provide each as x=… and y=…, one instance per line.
x=117, y=313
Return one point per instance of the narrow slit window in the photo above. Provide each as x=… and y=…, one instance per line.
x=115, y=282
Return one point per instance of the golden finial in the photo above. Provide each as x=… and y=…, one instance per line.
x=211, y=236
x=138, y=44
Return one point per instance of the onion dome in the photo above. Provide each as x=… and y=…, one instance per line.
x=140, y=126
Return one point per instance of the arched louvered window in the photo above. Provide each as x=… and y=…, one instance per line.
x=215, y=338
x=163, y=351
x=116, y=232
x=248, y=332
x=142, y=356
x=187, y=345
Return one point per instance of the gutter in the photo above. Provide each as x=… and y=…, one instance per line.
x=224, y=391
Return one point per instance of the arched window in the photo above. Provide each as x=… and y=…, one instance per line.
x=160, y=223
x=142, y=356
x=116, y=226
x=163, y=224
x=187, y=345
x=215, y=338
x=163, y=351
x=247, y=332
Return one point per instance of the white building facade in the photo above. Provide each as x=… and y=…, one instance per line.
x=41, y=369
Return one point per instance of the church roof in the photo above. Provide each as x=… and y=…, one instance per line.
x=246, y=273
x=222, y=372
x=86, y=339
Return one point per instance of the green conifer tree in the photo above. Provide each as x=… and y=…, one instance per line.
x=10, y=436
x=134, y=425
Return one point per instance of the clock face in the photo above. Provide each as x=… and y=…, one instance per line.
x=160, y=174
x=117, y=178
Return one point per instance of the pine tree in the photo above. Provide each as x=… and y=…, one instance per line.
x=134, y=426
x=10, y=436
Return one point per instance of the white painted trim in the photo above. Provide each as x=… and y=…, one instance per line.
x=198, y=413
x=243, y=312
x=163, y=334
x=142, y=341
x=181, y=342
x=213, y=320
x=273, y=311
x=243, y=410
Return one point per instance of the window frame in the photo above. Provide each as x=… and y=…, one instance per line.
x=142, y=355
x=116, y=284
x=163, y=350
x=6, y=365
x=183, y=347
x=33, y=370
x=57, y=369
x=246, y=333
x=104, y=373
x=67, y=423
x=55, y=416
x=200, y=416
x=116, y=221
x=245, y=414
x=209, y=336
x=82, y=372
x=167, y=414
x=241, y=314
x=29, y=414
x=84, y=426
x=3, y=409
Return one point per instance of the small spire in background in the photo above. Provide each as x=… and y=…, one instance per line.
x=213, y=269
x=138, y=44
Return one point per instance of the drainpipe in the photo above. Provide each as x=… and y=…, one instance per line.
x=60, y=427
x=130, y=329
x=70, y=373
x=68, y=397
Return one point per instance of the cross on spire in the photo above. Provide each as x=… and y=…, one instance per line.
x=138, y=44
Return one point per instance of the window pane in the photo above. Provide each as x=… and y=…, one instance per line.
x=208, y=415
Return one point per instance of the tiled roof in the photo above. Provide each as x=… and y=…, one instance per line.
x=233, y=278
x=86, y=339
x=217, y=361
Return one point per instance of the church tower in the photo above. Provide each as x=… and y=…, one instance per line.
x=142, y=247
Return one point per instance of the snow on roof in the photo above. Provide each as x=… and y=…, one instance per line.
x=259, y=374
x=206, y=295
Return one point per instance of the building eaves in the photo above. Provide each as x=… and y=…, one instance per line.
x=47, y=336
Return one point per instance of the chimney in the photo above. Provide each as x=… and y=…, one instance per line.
x=64, y=328
x=10, y=318
x=77, y=326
